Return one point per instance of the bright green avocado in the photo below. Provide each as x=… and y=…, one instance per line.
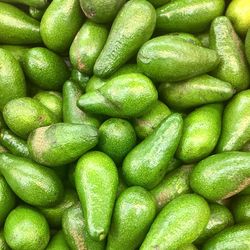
x=34, y=3
x=58, y=242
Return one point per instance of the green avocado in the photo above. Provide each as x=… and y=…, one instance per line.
x=188, y=247
x=34, y=184
x=61, y=143
x=45, y=69
x=233, y=66
x=236, y=123
x=170, y=58
x=221, y=176
x=60, y=23
x=247, y=46
x=158, y=3
x=17, y=51
x=133, y=215
x=240, y=207
x=12, y=81
x=125, y=96
x=148, y=162
x=34, y=3
x=79, y=78
x=3, y=243
x=187, y=37
x=96, y=179
x=132, y=27
x=16, y=27
x=25, y=228
x=36, y=13
x=87, y=45
x=204, y=39
x=58, y=242
x=179, y=223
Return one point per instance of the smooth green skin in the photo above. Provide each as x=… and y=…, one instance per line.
x=221, y=176
x=58, y=242
x=16, y=27
x=133, y=215
x=190, y=16
x=233, y=66
x=158, y=3
x=240, y=207
x=204, y=39
x=132, y=27
x=7, y=200
x=146, y=124
x=51, y=100
x=124, y=96
x=236, y=123
x=60, y=23
x=238, y=11
x=25, y=228
x=186, y=37
x=116, y=138
x=71, y=112
x=25, y=114
x=79, y=78
x=33, y=183
x=16, y=50
x=235, y=237
x=194, y=92
x=36, y=13
x=3, y=244
x=173, y=185
x=12, y=81
x=75, y=231
x=220, y=218
x=87, y=45
x=247, y=46
x=147, y=163
x=95, y=82
x=61, y=143
x=181, y=59
x=34, y=3
x=54, y=214
x=201, y=132
x=96, y=179
x=179, y=223
x=101, y=11
x=13, y=143
x=45, y=69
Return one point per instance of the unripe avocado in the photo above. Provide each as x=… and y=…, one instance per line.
x=25, y=228
x=17, y=51
x=58, y=242
x=33, y=183
x=240, y=207
x=133, y=214
x=60, y=23
x=61, y=143
x=247, y=46
x=45, y=69
x=16, y=27
x=34, y=3
x=12, y=81
x=132, y=27
x=179, y=223
x=3, y=243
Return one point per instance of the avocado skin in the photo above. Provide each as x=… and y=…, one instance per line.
x=236, y=123
x=61, y=143
x=7, y=200
x=22, y=220
x=17, y=51
x=158, y=3
x=60, y=23
x=221, y=176
x=170, y=231
x=116, y=138
x=16, y=27
x=134, y=206
x=58, y=242
x=12, y=81
x=220, y=218
x=194, y=92
x=247, y=46
x=240, y=207
x=87, y=46
x=25, y=114
x=101, y=11
x=45, y=68
x=36, y=13
x=3, y=243
x=233, y=66
x=173, y=185
x=75, y=230
x=181, y=59
x=191, y=16
x=124, y=96
x=201, y=132
x=34, y=3
x=34, y=184
x=132, y=27
x=147, y=163
x=96, y=179
x=231, y=238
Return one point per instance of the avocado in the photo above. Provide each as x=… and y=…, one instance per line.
x=58, y=242
x=17, y=51
x=40, y=4
x=80, y=78
x=240, y=207
x=36, y=13
x=3, y=243
x=247, y=46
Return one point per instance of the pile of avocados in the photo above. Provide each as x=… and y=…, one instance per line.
x=125, y=124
